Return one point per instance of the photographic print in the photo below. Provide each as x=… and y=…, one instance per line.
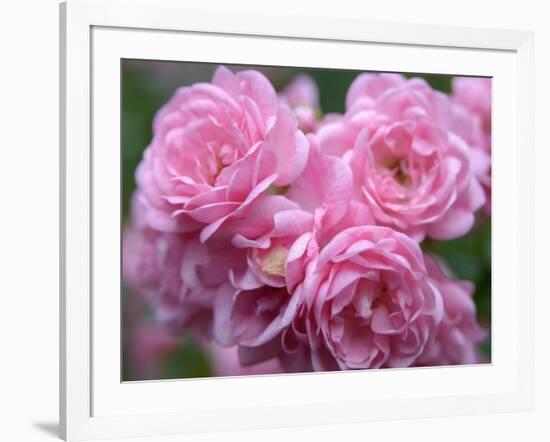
x=293, y=220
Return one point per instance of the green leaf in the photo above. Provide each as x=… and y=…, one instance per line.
x=187, y=361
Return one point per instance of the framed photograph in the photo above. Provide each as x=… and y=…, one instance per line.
x=281, y=221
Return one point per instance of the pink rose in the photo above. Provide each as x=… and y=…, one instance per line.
x=371, y=301
x=327, y=182
x=409, y=167
x=459, y=334
x=153, y=266
x=177, y=274
x=216, y=148
x=302, y=348
x=254, y=318
x=302, y=96
x=471, y=120
x=256, y=311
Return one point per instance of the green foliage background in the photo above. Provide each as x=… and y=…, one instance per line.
x=147, y=85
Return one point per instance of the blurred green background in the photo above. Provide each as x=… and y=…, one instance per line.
x=147, y=85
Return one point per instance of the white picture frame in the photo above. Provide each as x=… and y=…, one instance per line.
x=95, y=34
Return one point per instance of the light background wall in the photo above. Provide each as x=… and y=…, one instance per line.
x=29, y=219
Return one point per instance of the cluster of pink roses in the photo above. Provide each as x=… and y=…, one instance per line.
x=262, y=226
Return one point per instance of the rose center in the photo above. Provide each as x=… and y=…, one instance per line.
x=400, y=171
x=277, y=190
x=221, y=157
x=273, y=262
